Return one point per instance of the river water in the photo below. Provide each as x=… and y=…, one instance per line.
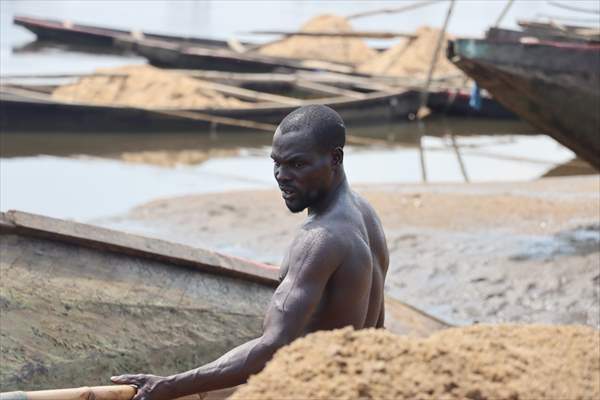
x=82, y=176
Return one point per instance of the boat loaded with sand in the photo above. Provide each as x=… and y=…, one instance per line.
x=80, y=303
x=142, y=98
x=170, y=50
x=555, y=86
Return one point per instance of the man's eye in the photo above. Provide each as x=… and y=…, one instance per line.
x=298, y=164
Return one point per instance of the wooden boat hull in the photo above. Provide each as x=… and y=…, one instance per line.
x=74, y=313
x=88, y=35
x=553, y=86
x=80, y=303
x=22, y=114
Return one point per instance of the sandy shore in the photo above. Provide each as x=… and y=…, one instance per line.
x=501, y=252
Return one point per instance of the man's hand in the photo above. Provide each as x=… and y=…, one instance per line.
x=149, y=387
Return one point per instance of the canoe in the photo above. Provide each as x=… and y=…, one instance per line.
x=63, y=31
x=16, y=114
x=166, y=54
x=546, y=32
x=80, y=303
x=555, y=86
x=33, y=110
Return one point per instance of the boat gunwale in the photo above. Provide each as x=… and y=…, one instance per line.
x=265, y=107
x=32, y=23
x=99, y=238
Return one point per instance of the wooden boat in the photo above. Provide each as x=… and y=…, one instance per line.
x=555, y=86
x=167, y=54
x=545, y=31
x=31, y=109
x=95, y=36
x=80, y=303
x=17, y=111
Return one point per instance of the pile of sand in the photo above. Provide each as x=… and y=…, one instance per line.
x=477, y=362
x=412, y=58
x=144, y=86
x=352, y=51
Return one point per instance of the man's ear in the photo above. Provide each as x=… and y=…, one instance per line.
x=337, y=156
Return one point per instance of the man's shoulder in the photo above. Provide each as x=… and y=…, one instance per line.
x=317, y=234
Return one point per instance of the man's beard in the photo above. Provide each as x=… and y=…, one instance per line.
x=296, y=206
x=301, y=202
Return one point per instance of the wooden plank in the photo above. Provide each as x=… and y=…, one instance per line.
x=243, y=77
x=113, y=392
x=108, y=239
x=343, y=35
x=328, y=89
x=247, y=94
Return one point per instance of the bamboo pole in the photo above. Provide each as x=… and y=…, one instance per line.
x=466, y=78
x=112, y=392
x=247, y=94
x=459, y=158
x=354, y=34
x=425, y=89
x=116, y=392
x=503, y=13
x=328, y=89
x=435, y=56
x=395, y=10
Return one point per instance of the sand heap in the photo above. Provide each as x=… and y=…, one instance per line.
x=144, y=86
x=412, y=57
x=352, y=51
x=477, y=362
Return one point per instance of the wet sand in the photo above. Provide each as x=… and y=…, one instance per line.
x=498, y=252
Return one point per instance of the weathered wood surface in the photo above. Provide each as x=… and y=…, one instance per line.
x=553, y=86
x=167, y=54
x=139, y=246
x=353, y=34
x=81, y=303
x=71, y=33
x=15, y=112
x=73, y=315
x=114, y=392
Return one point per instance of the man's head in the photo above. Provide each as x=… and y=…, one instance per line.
x=308, y=155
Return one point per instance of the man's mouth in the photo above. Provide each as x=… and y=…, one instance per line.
x=287, y=192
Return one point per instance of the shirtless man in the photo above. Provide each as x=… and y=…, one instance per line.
x=333, y=273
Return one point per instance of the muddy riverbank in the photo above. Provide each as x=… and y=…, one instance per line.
x=497, y=252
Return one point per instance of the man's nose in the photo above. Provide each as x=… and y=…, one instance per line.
x=282, y=174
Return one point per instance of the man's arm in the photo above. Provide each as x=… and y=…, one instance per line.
x=313, y=258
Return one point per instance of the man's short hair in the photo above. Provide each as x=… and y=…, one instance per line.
x=321, y=122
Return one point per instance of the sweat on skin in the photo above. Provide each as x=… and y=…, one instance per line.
x=333, y=273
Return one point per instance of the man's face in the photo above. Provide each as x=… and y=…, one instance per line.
x=302, y=172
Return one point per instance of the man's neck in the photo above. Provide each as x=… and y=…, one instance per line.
x=337, y=190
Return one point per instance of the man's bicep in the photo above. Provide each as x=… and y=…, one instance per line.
x=299, y=294
x=290, y=312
